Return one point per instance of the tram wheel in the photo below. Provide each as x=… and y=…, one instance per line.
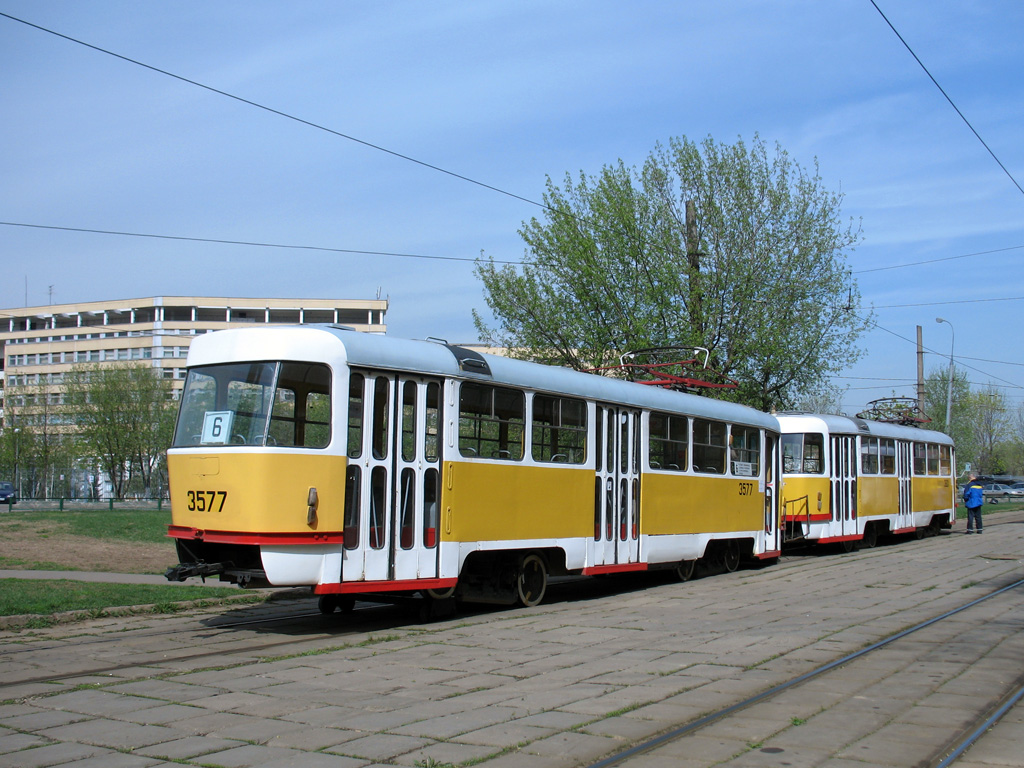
x=327, y=604
x=731, y=556
x=684, y=569
x=441, y=594
x=531, y=580
x=870, y=536
x=848, y=546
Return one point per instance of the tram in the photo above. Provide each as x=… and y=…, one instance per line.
x=850, y=480
x=360, y=464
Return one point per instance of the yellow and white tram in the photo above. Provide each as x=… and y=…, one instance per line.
x=357, y=463
x=850, y=480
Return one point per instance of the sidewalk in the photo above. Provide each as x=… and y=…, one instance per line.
x=557, y=686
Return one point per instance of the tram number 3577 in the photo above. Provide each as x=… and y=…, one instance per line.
x=206, y=501
x=746, y=489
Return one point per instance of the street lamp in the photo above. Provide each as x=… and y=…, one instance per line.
x=949, y=390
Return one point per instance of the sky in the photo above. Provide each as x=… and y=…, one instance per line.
x=397, y=100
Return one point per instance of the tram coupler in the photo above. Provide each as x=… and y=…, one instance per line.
x=184, y=571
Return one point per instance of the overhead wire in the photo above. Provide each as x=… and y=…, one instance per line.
x=935, y=352
x=249, y=243
x=402, y=156
x=951, y=102
x=944, y=303
x=278, y=112
x=935, y=261
x=436, y=168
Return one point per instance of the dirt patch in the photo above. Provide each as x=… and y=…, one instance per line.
x=42, y=546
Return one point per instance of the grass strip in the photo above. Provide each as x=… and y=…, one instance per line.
x=43, y=597
x=141, y=525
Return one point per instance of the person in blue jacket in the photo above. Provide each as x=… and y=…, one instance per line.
x=974, y=497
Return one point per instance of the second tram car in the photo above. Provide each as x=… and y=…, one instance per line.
x=357, y=463
x=849, y=480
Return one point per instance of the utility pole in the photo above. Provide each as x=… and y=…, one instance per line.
x=920, y=370
x=693, y=258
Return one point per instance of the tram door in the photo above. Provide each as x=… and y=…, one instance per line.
x=617, y=497
x=844, y=485
x=395, y=478
x=904, y=464
x=772, y=480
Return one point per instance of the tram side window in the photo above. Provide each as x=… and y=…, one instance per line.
x=945, y=460
x=381, y=417
x=869, y=455
x=933, y=459
x=802, y=453
x=491, y=421
x=355, y=416
x=432, y=437
x=353, y=486
x=745, y=453
x=920, y=459
x=709, y=446
x=887, y=456
x=409, y=421
x=669, y=442
x=559, y=430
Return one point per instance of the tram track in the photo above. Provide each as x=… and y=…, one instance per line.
x=366, y=620
x=971, y=736
x=367, y=617
x=942, y=758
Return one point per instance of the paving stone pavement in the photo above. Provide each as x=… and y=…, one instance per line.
x=587, y=674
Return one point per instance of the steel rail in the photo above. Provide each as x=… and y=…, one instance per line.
x=164, y=660
x=679, y=732
x=978, y=732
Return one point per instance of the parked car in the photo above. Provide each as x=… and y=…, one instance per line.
x=996, y=492
x=7, y=494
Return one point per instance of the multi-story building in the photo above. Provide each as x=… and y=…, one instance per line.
x=39, y=345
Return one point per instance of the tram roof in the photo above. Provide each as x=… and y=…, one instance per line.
x=437, y=358
x=835, y=424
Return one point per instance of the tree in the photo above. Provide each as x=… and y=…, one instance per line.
x=991, y=425
x=961, y=426
x=755, y=273
x=37, y=426
x=124, y=416
x=1012, y=449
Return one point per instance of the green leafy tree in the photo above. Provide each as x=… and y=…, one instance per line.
x=731, y=248
x=991, y=427
x=124, y=416
x=961, y=427
x=18, y=448
x=37, y=441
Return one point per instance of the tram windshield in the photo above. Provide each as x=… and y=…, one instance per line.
x=264, y=404
x=803, y=453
